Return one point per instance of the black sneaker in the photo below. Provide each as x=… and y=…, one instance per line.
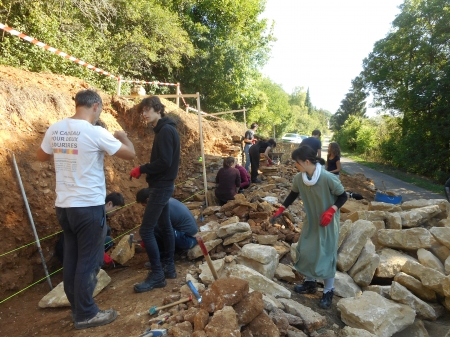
x=153, y=280
x=327, y=298
x=308, y=287
x=256, y=181
x=169, y=271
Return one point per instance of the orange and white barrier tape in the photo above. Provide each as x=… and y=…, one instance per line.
x=153, y=82
x=55, y=51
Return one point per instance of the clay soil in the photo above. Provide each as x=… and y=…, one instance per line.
x=29, y=103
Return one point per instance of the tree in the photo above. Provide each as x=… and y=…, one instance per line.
x=408, y=73
x=308, y=103
x=354, y=104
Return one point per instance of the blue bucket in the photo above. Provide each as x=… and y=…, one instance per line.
x=382, y=197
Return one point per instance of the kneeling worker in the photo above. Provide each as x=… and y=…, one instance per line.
x=183, y=223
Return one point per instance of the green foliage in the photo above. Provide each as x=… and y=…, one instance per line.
x=408, y=73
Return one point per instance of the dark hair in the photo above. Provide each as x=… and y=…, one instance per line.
x=334, y=149
x=316, y=133
x=305, y=152
x=116, y=199
x=101, y=123
x=142, y=195
x=87, y=98
x=253, y=125
x=151, y=102
x=227, y=162
x=272, y=142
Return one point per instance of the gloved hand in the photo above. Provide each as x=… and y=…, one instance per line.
x=107, y=260
x=270, y=161
x=326, y=217
x=277, y=214
x=253, y=141
x=135, y=173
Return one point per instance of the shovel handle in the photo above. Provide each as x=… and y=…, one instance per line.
x=207, y=257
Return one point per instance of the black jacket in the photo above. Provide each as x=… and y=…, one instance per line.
x=165, y=157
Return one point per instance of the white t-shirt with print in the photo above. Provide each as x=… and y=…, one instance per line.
x=78, y=148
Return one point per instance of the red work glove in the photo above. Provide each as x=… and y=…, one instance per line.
x=107, y=259
x=270, y=161
x=277, y=214
x=253, y=141
x=326, y=217
x=135, y=173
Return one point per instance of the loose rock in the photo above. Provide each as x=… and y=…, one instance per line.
x=344, y=286
x=413, y=238
x=391, y=262
x=427, y=259
x=311, y=319
x=416, y=287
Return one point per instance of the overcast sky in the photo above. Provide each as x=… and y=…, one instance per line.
x=321, y=43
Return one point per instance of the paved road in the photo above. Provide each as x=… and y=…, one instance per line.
x=406, y=190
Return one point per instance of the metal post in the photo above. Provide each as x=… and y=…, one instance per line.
x=245, y=120
x=178, y=93
x=119, y=85
x=205, y=183
x=38, y=243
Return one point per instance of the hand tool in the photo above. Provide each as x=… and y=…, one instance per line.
x=194, y=291
x=207, y=257
x=154, y=333
x=155, y=309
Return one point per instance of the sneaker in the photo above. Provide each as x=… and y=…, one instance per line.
x=327, y=298
x=257, y=181
x=103, y=317
x=153, y=280
x=169, y=271
x=308, y=287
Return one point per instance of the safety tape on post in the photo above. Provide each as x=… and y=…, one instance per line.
x=151, y=82
x=55, y=50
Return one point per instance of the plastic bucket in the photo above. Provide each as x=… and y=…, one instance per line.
x=382, y=197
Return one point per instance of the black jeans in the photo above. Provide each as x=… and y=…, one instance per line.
x=157, y=214
x=254, y=160
x=84, y=242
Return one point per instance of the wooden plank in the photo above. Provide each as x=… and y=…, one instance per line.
x=227, y=112
x=164, y=96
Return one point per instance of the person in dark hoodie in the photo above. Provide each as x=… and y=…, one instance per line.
x=161, y=173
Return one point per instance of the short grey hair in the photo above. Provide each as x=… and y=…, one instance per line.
x=87, y=98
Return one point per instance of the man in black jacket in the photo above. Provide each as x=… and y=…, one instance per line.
x=161, y=173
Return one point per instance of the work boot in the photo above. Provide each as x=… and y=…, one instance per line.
x=103, y=317
x=327, y=298
x=308, y=287
x=256, y=181
x=153, y=280
x=169, y=270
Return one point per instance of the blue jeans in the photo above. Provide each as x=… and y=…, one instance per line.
x=247, y=156
x=182, y=240
x=157, y=214
x=84, y=241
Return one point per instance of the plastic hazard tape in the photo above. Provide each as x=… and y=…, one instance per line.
x=153, y=82
x=55, y=51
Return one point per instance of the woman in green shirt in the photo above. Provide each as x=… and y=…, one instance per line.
x=322, y=194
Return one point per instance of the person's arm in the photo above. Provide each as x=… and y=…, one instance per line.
x=338, y=165
x=42, y=156
x=266, y=153
x=245, y=179
x=319, y=153
x=237, y=180
x=290, y=199
x=126, y=151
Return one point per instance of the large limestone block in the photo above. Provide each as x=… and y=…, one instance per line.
x=267, y=239
x=393, y=221
x=402, y=295
x=380, y=290
x=352, y=205
x=427, y=259
x=375, y=314
x=446, y=286
x=249, y=307
x=284, y=272
x=368, y=261
x=257, y=281
x=367, y=215
x=353, y=332
x=443, y=205
x=57, y=297
x=353, y=244
x=413, y=238
x=415, y=330
x=344, y=286
x=210, y=226
x=260, y=253
x=415, y=286
x=230, y=229
x=237, y=237
x=282, y=248
x=223, y=323
x=343, y=231
x=268, y=269
x=383, y=206
x=206, y=275
x=293, y=252
x=430, y=278
x=196, y=251
x=391, y=262
x=418, y=216
x=211, y=210
x=230, y=221
x=123, y=252
x=442, y=234
x=438, y=249
x=311, y=319
x=447, y=266
x=262, y=325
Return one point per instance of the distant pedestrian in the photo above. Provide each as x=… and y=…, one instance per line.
x=322, y=194
x=255, y=151
x=314, y=142
x=78, y=148
x=333, y=164
x=228, y=181
x=161, y=173
x=249, y=140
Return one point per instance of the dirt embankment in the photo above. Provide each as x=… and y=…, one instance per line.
x=29, y=103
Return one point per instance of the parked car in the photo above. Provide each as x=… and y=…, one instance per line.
x=292, y=138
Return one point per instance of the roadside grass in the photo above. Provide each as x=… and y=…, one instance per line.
x=416, y=180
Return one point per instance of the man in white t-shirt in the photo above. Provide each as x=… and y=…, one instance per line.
x=78, y=148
